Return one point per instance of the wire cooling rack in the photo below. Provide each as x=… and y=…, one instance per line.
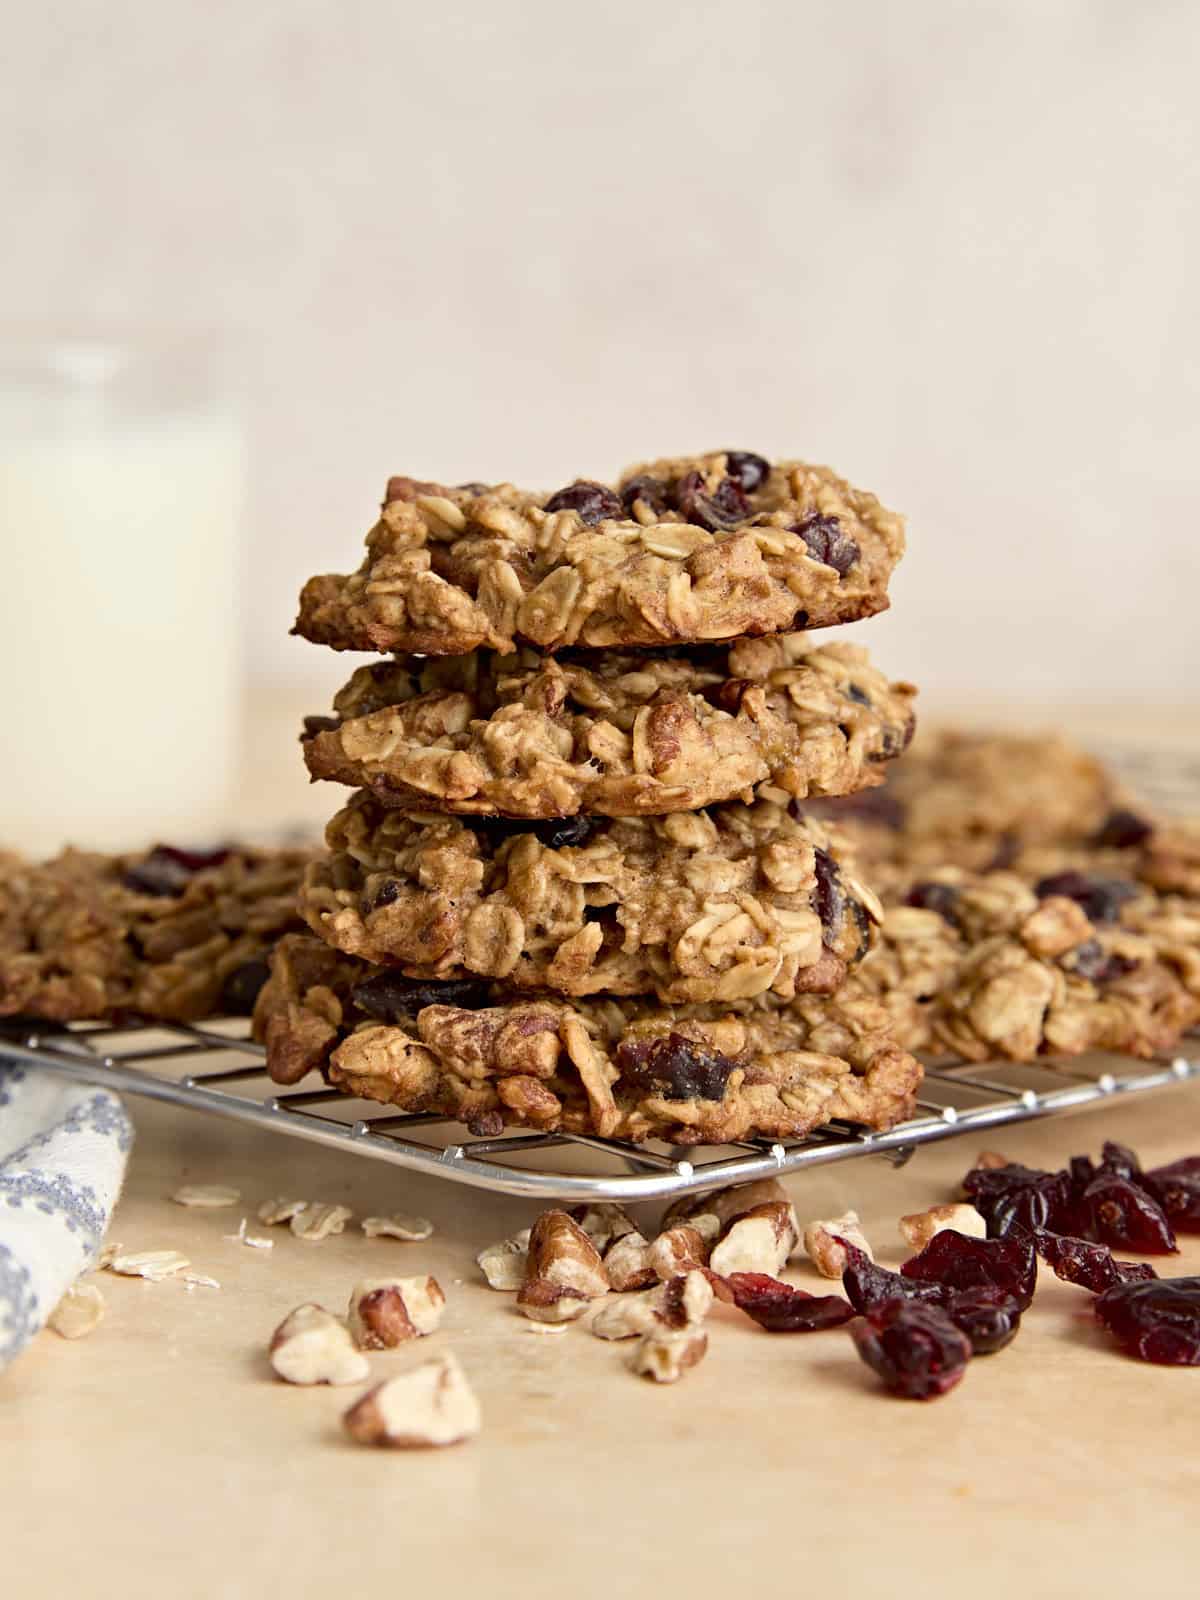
x=219, y=1070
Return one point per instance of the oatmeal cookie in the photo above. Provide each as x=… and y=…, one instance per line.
x=1034, y=805
x=987, y=965
x=625, y=1069
x=689, y=550
x=619, y=734
x=717, y=905
x=165, y=933
x=977, y=801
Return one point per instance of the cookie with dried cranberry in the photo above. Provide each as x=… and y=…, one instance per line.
x=723, y=904
x=982, y=801
x=626, y=1069
x=681, y=551
x=165, y=933
x=618, y=734
x=981, y=965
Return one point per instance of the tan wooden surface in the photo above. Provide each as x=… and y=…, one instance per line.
x=158, y=1457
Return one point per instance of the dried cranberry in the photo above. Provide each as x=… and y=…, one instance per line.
x=556, y=833
x=1119, y=1161
x=828, y=901
x=984, y=1312
x=391, y=997
x=916, y=1349
x=868, y=1285
x=1122, y=830
x=1126, y=1216
x=387, y=894
x=827, y=543
x=1082, y=1169
x=1100, y=899
x=677, y=1068
x=960, y=1262
x=486, y=1124
x=166, y=871
x=724, y=508
x=862, y=918
x=1091, y=1266
x=241, y=987
x=1021, y=1197
x=1158, y=1321
x=898, y=745
x=746, y=469
x=316, y=725
x=1091, y=961
x=1176, y=1187
x=940, y=897
x=652, y=492
x=990, y=1318
x=779, y=1308
x=564, y=833
x=594, y=502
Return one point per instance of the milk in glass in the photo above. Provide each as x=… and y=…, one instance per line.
x=120, y=489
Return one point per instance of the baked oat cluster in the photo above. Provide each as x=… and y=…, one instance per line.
x=684, y=551
x=170, y=934
x=718, y=905
x=620, y=734
x=1031, y=907
x=572, y=889
x=622, y=1068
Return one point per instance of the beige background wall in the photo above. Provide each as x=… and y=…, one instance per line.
x=951, y=248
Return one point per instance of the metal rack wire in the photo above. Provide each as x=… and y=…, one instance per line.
x=223, y=1072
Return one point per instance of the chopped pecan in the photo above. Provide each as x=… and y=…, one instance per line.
x=680, y=1249
x=432, y=1404
x=311, y=1345
x=386, y=1312
x=920, y=1226
x=665, y=1354
x=760, y=1240
x=678, y=1303
x=823, y=1243
x=563, y=1271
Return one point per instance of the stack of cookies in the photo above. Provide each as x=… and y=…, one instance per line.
x=574, y=887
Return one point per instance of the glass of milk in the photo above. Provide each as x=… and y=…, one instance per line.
x=120, y=495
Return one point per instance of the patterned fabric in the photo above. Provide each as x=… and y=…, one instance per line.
x=63, y=1150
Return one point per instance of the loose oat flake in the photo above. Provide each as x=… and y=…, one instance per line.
x=318, y=1221
x=281, y=1210
x=397, y=1226
x=253, y=1241
x=209, y=1196
x=78, y=1312
x=152, y=1264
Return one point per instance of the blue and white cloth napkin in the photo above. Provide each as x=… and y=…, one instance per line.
x=63, y=1151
